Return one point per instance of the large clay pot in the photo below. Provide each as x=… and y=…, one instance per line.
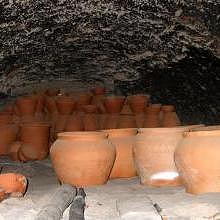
x=26, y=105
x=152, y=118
x=138, y=103
x=74, y=123
x=83, y=158
x=13, y=183
x=123, y=139
x=36, y=135
x=154, y=155
x=126, y=121
x=8, y=135
x=65, y=105
x=114, y=104
x=198, y=161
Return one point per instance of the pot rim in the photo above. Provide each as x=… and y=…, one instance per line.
x=82, y=135
x=203, y=131
x=121, y=132
x=168, y=129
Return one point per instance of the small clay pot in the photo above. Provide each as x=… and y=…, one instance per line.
x=78, y=156
x=52, y=92
x=13, y=150
x=170, y=119
x=50, y=105
x=90, y=109
x=126, y=121
x=26, y=105
x=90, y=122
x=28, y=152
x=152, y=117
x=74, y=123
x=13, y=183
x=84, y=99
x=198, y=160
x=8, y=134
x=138, y=103
x=126, y=110
x=168, y=108
x=111, y=121
x=60, y=124
x=114, y=104
x=123, y=139
x=102, y=120
x=40, y=103
x=65, y=105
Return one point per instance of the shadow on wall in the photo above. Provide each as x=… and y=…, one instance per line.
x=192, y=85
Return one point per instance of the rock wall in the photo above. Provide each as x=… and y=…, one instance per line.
x=129, y=46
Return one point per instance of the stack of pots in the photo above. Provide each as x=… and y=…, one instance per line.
x=138, y=104
x=198, y=160
x=113, y=106
x=154, y=155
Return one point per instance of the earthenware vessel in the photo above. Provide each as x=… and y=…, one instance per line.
x=83, y=158
x=13, y=183
x=13, y=150
x=65, y=105
x=126, y=121
x=170, y=119
x=198, y=161
x=123, y=139
x=8, y=134
x=50, y=105
x=114, y=104
x=152, y=117
x=102, y=120
x=40, y=103
x=90, y=118
x=26, y=105
x=29, y=153
x=111, y=121
x=154, y=155
x=60, y=123
x=138, y=103
x=52, y=92
x=74, y=123
x=84, y=99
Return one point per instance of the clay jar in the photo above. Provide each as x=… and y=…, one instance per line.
x=111, y=121
x=138, y=103
x=65, y=105
x=99, y=90
x=90, y=118
x=126, y=121
x=152, y=118
x=8, y=135
x=114, y=104
x=13, y=150
x=50, y=105
x=169, y=116
x=26, y=105
x=36, y=135
x=154, y=155
x=83, y=158
x=83, y=99
x=123, y=139
x=198, y=161
x=74, y=123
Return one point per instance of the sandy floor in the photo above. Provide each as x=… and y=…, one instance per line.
x=119, y=199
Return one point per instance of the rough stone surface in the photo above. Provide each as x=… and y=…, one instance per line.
x=168, y=48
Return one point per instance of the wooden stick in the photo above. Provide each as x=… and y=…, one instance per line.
x=58, y=203
x=78, y=206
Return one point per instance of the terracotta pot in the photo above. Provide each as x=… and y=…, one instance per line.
x=168, y=108
x=8, y=135
x=139, y=118
x=84, y=99
x=65, y=105
x=198, y=161
x=26, y=105
x=9, y=108
x=111, y=121
x=13, y=183
x=90, y=118
x=3, y=195
x=6, y=118
x=123, y=139
x=52, y=92
x=61, y=123
x=102, y=120
x=138, y=103
x=30, y=152
x=90, y=109
x=114, y=104
x=78, y=156
x=50, y=105
x=40, y=103
x=170, y=119
x=74, y=123
x=154, y=155
x=126, y=121
x=13, y=150
x=36, y=135
x=152, y=117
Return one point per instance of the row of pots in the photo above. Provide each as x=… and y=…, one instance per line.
x=160, y=156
